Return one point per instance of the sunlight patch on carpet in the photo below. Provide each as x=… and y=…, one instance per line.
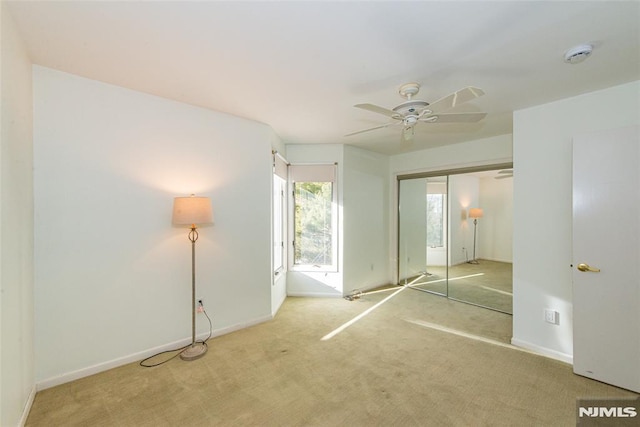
x=466, y=335
x=364, y=313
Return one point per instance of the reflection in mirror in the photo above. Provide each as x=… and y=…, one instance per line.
x=412, y=230
x=454, y=236
x=480, y=268
x=423, y=233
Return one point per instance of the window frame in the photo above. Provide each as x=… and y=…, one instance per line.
x=308, y=175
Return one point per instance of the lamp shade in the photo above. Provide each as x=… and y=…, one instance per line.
x=192, y=211
x=475, y=213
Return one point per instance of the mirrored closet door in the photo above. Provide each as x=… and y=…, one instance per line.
x=454, y=235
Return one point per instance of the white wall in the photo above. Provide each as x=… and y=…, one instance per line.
x=366, y=219
x=479, y=152
x=112, y=276
x=320, y=283
x=495, y=228
x=17, y=380
x=542, y=208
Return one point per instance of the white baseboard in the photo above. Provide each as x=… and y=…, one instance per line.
x=481, y=259
x=135, y=357
x=506, y=261
x=543, y=351
x=274, y=310
x=335, y=294
x=314, y=294
x=239, y=326
x=27, y=407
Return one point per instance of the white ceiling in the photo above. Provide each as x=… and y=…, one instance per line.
x=300, y=66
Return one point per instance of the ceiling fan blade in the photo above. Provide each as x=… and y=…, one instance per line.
x=504, y=173
x=454, y=118
x=367, y=130
x=456, y=98
x=377, y=109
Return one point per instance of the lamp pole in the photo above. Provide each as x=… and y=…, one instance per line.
x=475, y=213
x=475, y=226
x=193, y=236
x=196, y=350
x=192, y=211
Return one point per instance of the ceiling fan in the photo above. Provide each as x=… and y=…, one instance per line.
x=505, y=173
x=413, y=111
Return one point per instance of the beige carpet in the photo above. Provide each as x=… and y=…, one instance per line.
x=488, y=283
x=387, y=369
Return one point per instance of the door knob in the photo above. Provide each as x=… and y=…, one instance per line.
x=587, y=267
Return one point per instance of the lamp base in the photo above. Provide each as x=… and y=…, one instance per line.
x=473, y=261
x=196, y=351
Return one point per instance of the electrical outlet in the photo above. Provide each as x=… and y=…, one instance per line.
x=551, y=316
x=200, y=306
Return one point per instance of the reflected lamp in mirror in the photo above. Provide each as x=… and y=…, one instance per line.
x=476, y=213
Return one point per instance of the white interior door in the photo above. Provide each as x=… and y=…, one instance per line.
x=606, y=237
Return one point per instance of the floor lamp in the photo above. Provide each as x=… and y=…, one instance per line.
x=475, y=213
x=191, y=212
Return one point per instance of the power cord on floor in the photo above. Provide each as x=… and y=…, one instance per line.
x=181, y=349
x=210, y=323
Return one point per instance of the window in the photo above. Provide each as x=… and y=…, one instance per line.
x=435, y=220
x=436, y=213
x=313, y=223
x=314, y=217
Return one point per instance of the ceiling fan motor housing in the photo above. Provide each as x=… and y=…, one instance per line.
x=410, y=107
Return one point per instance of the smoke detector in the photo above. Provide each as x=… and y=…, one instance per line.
x=577, y=54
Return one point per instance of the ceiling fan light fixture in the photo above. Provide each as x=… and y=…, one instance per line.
x=578, y=54
x=407, y=133
x=410, y=120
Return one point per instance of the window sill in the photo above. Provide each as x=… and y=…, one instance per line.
x=314, y=269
